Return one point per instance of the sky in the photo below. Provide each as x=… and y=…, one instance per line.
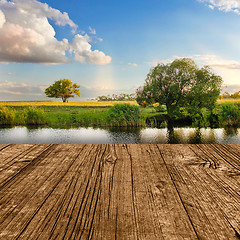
x=109, y=46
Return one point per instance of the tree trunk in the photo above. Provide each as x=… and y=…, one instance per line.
x=64, y=99
x=169, y=113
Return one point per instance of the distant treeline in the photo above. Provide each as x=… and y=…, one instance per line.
x=227, y=95
x=115, y=97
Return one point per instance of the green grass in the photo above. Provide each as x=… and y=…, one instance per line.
x=76, y=116
x=71, y=114
x=124, y=115
x=56, y=114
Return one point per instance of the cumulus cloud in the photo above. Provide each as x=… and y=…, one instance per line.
x=224, y=5
x=42, y=9
x=132, y=64
x=27, y=35
x=81, y=48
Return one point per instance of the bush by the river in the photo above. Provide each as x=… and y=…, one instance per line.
x=28, y=116
x=124, y=115
x=7, y=116
x=34, y=116
x=230, y=114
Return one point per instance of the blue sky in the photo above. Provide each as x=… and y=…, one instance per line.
x=109, y=46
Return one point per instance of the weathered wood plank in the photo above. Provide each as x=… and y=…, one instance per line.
x=205, y=198
x=54, y=213
x=10, y=152
x=2, y=146
x=224, y=180
x=160, y=213
x=20, y=162
x=40, y=178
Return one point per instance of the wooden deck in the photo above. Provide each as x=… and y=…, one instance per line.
x=120, y=192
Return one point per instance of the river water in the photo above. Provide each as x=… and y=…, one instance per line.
x=118, y=136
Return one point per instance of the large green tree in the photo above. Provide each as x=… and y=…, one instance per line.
x=180, y=84
x=63, y=89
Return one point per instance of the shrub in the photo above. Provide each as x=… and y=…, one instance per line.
x=161, y=109
x=200, y=117
x=7, y=116
x=34, y=116
x=163, y=124
x=124, y=115
x=230, y=115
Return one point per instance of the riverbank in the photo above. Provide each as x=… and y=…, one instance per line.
x=96, y=114
x=53, y=114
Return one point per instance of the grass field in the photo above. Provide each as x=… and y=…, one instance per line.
x=72, y=113
x=83, y=113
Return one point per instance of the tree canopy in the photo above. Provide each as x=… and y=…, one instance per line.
x=180, y=84
x=63, y=89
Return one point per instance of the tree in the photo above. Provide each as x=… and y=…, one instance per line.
x=63, y=89
x=180, y=84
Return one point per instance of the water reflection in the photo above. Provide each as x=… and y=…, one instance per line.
x=230, y=131
x=128, y=136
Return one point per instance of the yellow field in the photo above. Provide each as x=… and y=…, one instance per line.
x=84, y=103
x=69, y=104
x=229, y=101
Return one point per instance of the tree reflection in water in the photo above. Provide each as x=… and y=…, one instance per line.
x=190, y=135
x=230, y=131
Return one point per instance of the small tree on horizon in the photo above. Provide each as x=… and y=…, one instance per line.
x=63, y=89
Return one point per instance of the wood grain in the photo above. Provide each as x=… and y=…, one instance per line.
x=120, y=191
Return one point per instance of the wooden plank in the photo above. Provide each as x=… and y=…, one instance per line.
x=40, y=179
x=115, y=213
x=202, y=195
x=225, y=180
x=20, y=162
x=2, y=146
x=52, y=217
x=9, y=153
x=159, y=211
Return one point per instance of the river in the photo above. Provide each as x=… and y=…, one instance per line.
x=20, y=135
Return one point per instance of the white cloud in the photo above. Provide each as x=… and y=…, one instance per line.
x=11, y=74
x=132, y=64
x=2, y=19
x=217, y=62
x=211, y=7
x=14, y=88
x=92, y=30
x=228, y=69
x=81, y=48
x=224, y=5
x=42, y=9
x=27, y=36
